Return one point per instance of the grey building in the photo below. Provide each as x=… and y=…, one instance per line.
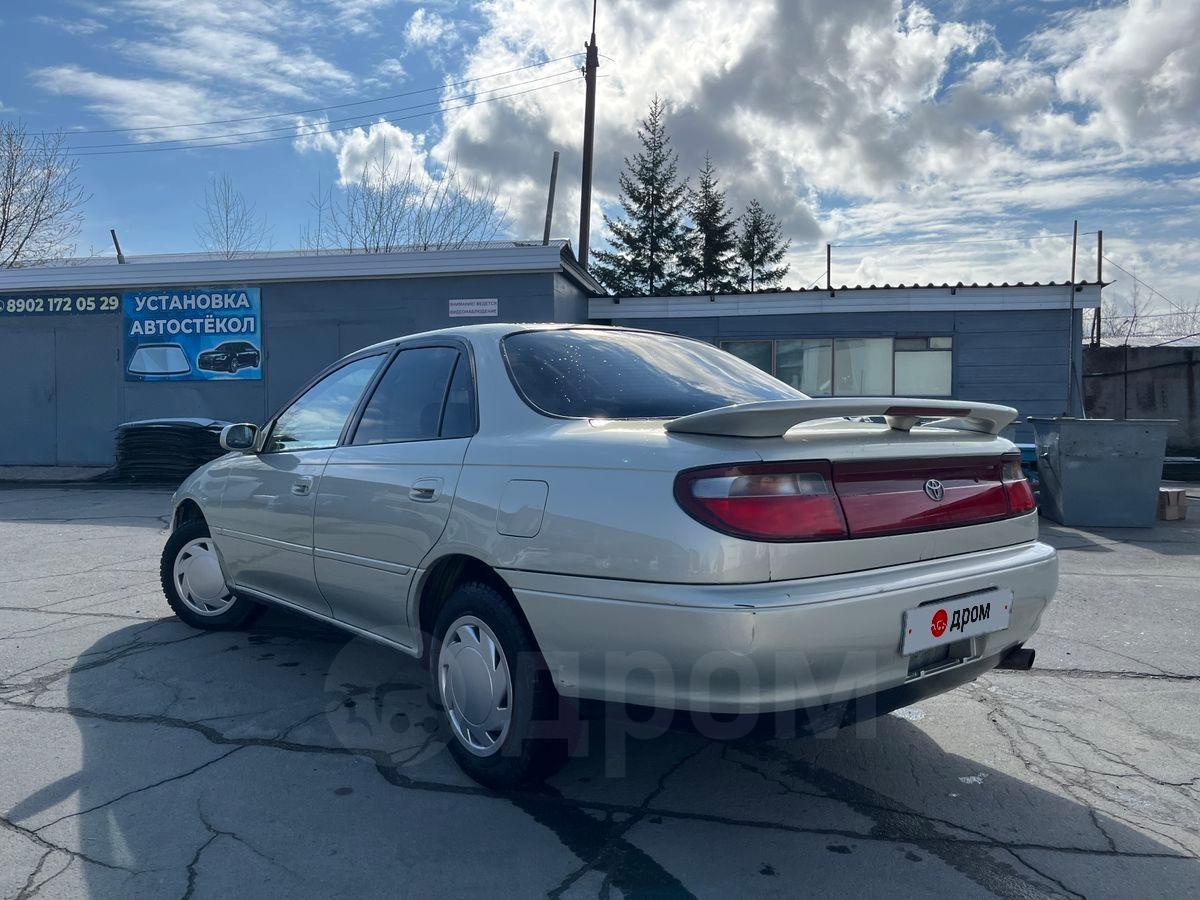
x=1010, y=344
x=65, y=360
x=88, y=346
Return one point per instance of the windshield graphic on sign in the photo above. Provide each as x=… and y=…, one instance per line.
x=197, y=334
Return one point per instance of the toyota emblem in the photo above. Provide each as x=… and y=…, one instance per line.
x=934, y=489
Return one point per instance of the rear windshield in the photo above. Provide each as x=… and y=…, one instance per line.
x=583, y=373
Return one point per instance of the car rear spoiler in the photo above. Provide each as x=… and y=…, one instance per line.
x=771, y=418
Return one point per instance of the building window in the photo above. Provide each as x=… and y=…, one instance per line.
x=862, y=367
x=757, y=353
x=923, y=367
x=806, y=364
x=855, y=367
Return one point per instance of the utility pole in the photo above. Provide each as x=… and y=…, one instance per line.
x=550, y=199
x=829, y=267
x=117, y=245
x=1100, y=285
x=589, y=134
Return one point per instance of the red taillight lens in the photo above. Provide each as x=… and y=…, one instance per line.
x=769, y=502
x=1020, y=493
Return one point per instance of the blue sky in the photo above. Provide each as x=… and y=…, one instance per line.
x=880, y=125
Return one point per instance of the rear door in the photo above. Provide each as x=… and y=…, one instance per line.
x=385, y=495
x=265, y=524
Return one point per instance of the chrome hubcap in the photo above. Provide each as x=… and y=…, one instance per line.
x=475, y=686
x=199, y=579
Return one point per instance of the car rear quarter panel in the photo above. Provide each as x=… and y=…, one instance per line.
x=611, y=512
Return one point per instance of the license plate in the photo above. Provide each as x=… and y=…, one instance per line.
x=936, y=624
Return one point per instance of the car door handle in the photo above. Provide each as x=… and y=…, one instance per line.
x=302, y=485
x=426, y=490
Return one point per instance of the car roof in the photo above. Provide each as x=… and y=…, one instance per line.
x=493, y=330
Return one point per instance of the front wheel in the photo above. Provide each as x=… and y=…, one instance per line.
x=195, y=585
x=495, y=693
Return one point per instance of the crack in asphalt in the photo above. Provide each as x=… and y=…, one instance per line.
x=21, y=830
x=1100, y=673
x=390, y=772
x=602, y=845
x=895, y=821
x=139, y=790
x=1081, y=791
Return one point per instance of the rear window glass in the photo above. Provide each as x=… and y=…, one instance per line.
x=582, y=373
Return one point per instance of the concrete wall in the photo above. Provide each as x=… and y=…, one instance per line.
x=1147, y=383
x=1015, y=358
x=62, y=377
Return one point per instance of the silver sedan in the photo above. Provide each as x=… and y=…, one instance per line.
x=604, y=514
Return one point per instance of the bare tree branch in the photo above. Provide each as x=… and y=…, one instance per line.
x=230, y=225
x=389, y=209
x=40, y=197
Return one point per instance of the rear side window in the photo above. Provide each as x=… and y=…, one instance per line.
x=583, y=373
x=409, y=402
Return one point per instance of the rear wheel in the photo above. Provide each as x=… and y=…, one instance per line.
x=495, y=693
x=195, y=585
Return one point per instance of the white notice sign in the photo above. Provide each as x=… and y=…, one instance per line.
x=476, y=307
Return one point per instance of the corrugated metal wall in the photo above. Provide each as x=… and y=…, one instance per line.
x=1015, y=358
x=63, y=391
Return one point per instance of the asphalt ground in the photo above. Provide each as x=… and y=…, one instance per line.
x=141, y=758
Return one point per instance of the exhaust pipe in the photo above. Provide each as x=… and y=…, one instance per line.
x=1019, y=659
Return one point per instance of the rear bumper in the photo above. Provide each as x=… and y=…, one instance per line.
x=774, y=646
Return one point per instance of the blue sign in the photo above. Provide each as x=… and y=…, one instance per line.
x=197, y=334
x=59, y=304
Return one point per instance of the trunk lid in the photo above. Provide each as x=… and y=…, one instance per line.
x=921, y=480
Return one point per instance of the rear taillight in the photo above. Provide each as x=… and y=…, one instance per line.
x=764, y=502
x=1020, y=493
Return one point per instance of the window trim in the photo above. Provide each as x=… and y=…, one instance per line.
x=269, y=429
x=464, y=352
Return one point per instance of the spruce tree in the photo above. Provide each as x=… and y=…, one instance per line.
x=646, y=241
x=761, y=248
x=709, y=260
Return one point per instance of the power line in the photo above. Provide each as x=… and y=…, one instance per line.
x=315, y=109
x=1034, y=237
x=312, y=131
x=291, y=127
x=1152, y=289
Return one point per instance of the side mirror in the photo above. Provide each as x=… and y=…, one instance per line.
x=240, y=438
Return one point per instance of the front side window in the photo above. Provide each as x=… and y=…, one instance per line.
x=409, y=402
x=583, y=373
x=316, y=419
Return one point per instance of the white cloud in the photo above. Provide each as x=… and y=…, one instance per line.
x=378, y=150
x=861, y=121
x=390, y=70
x=206, y=59
x=75, y=26
x=427, y=28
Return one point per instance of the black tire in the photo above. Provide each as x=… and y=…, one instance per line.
x=537, y=741
x=241, y=613
x=233, y=367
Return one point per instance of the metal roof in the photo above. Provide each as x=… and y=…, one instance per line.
x=872, y=298
x=163, y=270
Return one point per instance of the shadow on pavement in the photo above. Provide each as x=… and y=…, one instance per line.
x=250, y=741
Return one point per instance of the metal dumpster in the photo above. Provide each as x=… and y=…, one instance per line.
x=1100, y=472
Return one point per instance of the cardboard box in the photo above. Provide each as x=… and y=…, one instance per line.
x=1172, y=504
